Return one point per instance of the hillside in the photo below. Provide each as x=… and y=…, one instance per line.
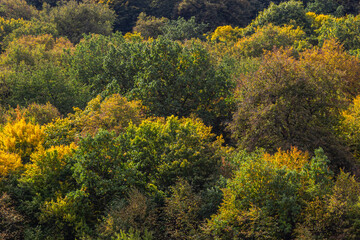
x=179, y=119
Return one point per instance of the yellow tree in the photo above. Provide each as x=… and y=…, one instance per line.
x=21, y=138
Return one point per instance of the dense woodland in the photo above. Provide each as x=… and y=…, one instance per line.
x=179, y=119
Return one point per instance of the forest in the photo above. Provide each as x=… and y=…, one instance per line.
x=179, y=119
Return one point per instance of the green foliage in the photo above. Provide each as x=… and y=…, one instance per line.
x=44, y=83
x=267, y=195
x=285, y=13
x=217, y=13
x=49, y=169
x=336, y=215
x=7, y=26
x=187, y=82
x=290, y=102
x=126, y=12
x=182, y=212
x=349, y=7
x=17, y=9
x=34, y=27
x=133, y=216
x=164, y=150
x=46, y=179
x=93, y=62
x=101, y=169
x=149, y=26
x=325, y=7
x=133, y=235
x=128, y=164
x=270, y=37
x=73, y=19
x=345, y=30
x=182, y=29
x=34, y=50
x=36, y=73
x=167, y=77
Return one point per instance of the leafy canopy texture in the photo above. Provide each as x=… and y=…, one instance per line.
x=296, y=102
x=268, y=193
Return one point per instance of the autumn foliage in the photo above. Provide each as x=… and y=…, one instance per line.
x=179, y=119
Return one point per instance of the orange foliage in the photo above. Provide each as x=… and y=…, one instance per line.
x=293, y=159
x=331, y=60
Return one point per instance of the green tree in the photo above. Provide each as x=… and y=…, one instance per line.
x=72, y=19
x=30, y=29
x=182, y=210
x=169, y=78
x=182, y=29
x=164, y=150
x=149, y=26
x=17, y=9
x=285, y=13
x=127, y=12
x=335, y=215
x=7, y=26
x=325, y=7
x=345, y=30
x=45, y=83
x=268, y=194
x=217, y=13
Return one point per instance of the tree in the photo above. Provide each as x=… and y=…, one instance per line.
x=345, y=30
x=182, y=29
x=44, y=83
x=290, y=102
x=285, y=13
x=37, y=72
x=169, y=78
x=11, y=222
x=127, y=12
x=9, y=163
x=334, y=215
x=17, y=9
x=325, y=7
x=29, y=30
x=7, y=26
x=113, y=113
x=73, y=19
x=216, y=13
x=165, y=150
x=349, y=128
x=182, y=210
x=34, y=50
x=270, y=37
x=268, y=194
x=21, y=138
x=149, y=26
